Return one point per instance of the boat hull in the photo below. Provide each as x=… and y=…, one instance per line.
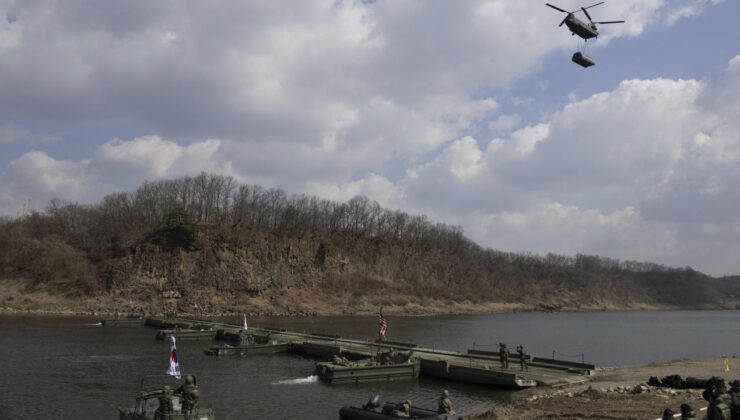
x=337, y=374
x=247, y=349
x=473, y=375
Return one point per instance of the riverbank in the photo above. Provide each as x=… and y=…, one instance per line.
x=15, y=298
x=618, y=393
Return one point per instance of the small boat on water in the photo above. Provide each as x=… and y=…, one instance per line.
x=150, y=399
x=242, y=350
x=368, y=370
x=197, y=333
x=126, y=321
x=370, y=411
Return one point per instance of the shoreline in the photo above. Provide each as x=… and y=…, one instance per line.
x=387, y=310
x=618, y=393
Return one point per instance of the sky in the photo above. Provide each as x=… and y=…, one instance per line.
x=469, y=111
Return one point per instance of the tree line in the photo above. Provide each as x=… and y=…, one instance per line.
x=217, y=199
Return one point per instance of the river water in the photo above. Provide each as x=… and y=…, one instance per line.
x=71, y=368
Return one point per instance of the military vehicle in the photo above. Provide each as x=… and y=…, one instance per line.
x=197, y=333
x=582, y=29
x=579, y=27
x=342, y=371
x=149, y=399
x=125, y=321
x=242, y=350
x=371, y=411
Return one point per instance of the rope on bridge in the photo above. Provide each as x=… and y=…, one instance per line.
x=572, y=356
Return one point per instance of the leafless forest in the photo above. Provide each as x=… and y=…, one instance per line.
x=209, y=235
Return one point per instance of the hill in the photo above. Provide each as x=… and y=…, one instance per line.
x=230, y=248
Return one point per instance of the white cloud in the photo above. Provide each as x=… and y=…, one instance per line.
x=10, y=133
x=38, y=177
x=692, y=9
x=375, y=186
x=564, y=229
x=151, y=157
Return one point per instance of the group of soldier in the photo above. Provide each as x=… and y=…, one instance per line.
x=188, y=393
x=723, y=404
x=444, y=406
x=503, y=353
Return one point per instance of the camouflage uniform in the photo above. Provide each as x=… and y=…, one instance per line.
x=165, y=404
x=338, y=360
x=735, y=400
x=687, y=412
x=503, y=354
x=444, y=406
x=188, y=395
x=523, y=362
x=404, y=410
x=388, y=357
x=719, y=402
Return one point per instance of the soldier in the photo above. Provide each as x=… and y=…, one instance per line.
x=503, y=354
x=188, y=393
x=388, y=357
x=667, y=414
x=735, y=399
x=339, y=360
x=444, y=406
x=165, y=404
x=404, y=410
x=716, y=394
x=523, y=358
x=687, y=412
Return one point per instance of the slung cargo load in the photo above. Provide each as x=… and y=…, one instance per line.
x=583, y=60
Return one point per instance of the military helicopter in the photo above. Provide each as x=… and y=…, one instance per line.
x=579, y=27
x=582, y=29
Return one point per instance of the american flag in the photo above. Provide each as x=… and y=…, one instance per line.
x=383, y=326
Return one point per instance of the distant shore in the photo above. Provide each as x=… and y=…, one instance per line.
x=388, y=310
x=112, y=307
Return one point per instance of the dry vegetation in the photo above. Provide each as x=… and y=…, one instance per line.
x=231, y=247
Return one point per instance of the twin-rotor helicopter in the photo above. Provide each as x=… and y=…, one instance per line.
x=582, y=29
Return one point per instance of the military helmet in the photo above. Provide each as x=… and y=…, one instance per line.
x=166, y=389
x=189, y=379
x=446, y=393
x=735, y=383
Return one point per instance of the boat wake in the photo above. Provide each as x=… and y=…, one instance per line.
x=300, y=381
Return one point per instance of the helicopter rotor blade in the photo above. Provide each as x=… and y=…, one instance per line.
x=556, y=8
x=561, y=23
x=587, y=15
x=610, y=21
x=593, y=5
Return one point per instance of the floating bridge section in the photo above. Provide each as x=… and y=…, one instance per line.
x=474, y=366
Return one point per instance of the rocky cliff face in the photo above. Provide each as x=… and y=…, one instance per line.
x=231, y=269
